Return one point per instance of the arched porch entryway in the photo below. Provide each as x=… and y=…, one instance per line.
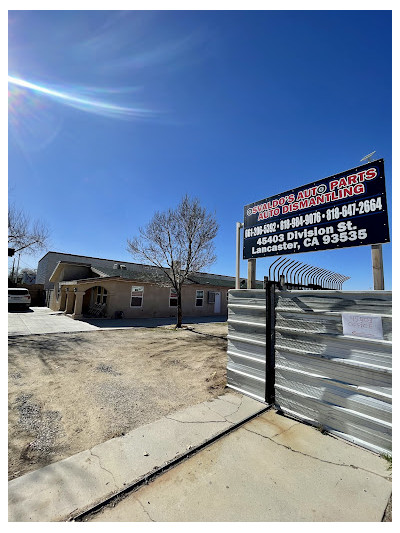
x=94, y=301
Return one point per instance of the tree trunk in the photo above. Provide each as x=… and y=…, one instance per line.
x=179, y=311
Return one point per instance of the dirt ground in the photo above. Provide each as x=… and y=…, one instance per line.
x=69, y=392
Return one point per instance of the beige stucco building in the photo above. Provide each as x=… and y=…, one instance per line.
x=81, y=289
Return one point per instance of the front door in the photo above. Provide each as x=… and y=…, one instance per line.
x=217, y=302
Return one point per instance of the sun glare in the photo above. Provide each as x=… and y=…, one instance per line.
x=74, y=99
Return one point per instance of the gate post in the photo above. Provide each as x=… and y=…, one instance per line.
x=269, y=340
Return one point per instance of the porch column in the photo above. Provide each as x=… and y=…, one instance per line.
x=110, y=297
x=63, y=300
x=69, y=306
x=78, y=304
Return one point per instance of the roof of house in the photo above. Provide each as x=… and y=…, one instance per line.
x=230, y=283
x=90, y=257
x=60, y=264
x=152, y=274
x=114, y=261
x=157, y=276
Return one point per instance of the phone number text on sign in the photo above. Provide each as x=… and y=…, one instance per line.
x=290, y=223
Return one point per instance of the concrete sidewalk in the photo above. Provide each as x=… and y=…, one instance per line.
x=65, y=489
x=271, y=468
x=41, y=320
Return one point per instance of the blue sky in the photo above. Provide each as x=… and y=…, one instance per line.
x=116, y=114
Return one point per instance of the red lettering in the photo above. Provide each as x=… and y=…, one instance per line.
x=361, y=175
x=348, y=191
x=303, y=204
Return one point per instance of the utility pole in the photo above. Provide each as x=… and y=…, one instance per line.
x=16, y=274
x=12, y=270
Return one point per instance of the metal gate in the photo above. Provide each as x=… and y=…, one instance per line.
x=286, y=347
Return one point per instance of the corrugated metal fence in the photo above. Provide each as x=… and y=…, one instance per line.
x=246, y=342
x=339, y=383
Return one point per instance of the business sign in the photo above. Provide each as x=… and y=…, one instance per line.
x=347, y=209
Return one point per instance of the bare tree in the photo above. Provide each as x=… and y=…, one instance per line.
x=25, y=235
x=18, y=276
x=27, y=270
x=179, y=242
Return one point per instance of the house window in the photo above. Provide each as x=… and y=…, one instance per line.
x=173, y=298
x=199, y=298
x=211, y=297
x=58, y=292
x=101, y=295
x=137, y=296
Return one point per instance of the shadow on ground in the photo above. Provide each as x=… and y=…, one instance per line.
x=150, y=322
x=49, y=349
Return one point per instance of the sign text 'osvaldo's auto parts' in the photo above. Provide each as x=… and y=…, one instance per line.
x=348, y=209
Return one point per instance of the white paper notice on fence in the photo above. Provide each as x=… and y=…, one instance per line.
x=357, y=325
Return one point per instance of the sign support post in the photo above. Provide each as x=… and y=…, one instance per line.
x=237, y=282
x=377, y=267
x=251, y=274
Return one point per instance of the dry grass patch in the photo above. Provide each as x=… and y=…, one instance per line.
x=69, y=392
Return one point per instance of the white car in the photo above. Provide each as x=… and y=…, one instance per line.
x=20, y=297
